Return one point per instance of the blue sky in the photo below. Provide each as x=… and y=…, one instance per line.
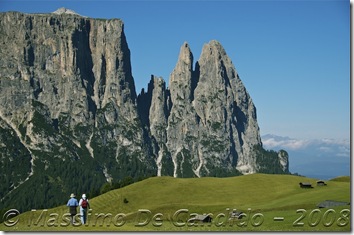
x=292, y=56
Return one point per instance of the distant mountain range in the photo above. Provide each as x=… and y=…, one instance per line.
x=317, y=158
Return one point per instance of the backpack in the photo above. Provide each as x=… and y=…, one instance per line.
x=84, y=203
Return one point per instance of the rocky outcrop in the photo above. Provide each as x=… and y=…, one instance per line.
x=212, y=125
x=68, y=100
x=64, y=10
x=154, y=110
x=182, y=135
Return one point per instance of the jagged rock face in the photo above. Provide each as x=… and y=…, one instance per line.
x=71, y=64
x=67, y=91
x=284, y=160
x=182, y=138
x=207, y=123
x=153, y=110
x=225, y=109
x=68, y=102
x=212, y=124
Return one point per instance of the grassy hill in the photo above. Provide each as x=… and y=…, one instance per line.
x=271, y=202
x=341, y=179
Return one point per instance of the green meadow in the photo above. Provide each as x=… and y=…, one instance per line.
x=270, y=202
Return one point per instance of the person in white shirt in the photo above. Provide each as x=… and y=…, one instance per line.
x=84, y=206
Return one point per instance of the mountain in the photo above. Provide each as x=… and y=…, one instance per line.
x=206, y=121
x=70, y=118
x=317, y=158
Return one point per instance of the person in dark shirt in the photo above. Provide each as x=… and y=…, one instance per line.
x=72, y=204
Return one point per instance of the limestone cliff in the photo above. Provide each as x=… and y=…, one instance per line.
x=212, y=124
x=68, y=96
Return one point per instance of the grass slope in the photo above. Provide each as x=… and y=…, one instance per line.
x=341, y=179
x=151, y=205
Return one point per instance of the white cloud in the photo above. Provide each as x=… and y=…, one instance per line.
x=325, y=149
x=340, y=148
x=335, y=141
x=343, y=151
x=286, y=143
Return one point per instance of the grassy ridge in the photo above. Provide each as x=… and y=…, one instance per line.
x=341, y=179
x=261, y=196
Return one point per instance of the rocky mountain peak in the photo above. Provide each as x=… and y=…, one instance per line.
x=213, y=46
x=64, y=10
x=182, y=76
x=184, y=62
x=185, y=54
x=214, y=52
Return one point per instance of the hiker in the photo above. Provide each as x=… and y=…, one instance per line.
x=84, y=206
x=72, y=204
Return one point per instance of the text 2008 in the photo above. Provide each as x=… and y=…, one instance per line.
x=328, y=218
